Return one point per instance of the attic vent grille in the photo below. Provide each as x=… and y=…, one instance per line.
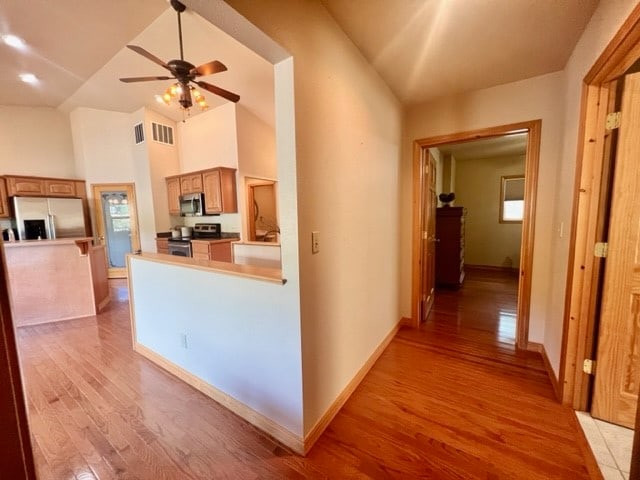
x=162, y=133
x=138, y=131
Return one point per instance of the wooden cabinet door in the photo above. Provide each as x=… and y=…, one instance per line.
x=4, y=200
x=25, y=186
x=212, y=192
x=617, y=377
x=60, y=188
x=162, y=245
x=220, y=252
x=220, y=193
x=191, y=183
x=173, y=195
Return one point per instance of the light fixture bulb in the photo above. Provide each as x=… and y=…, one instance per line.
x=173, y=90
x=195, y=93
x=160, y=98
x=13, y=41
x=178, y=89
x=166, y=98
x=28, y=78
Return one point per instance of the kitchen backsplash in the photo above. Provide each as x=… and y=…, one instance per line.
x=230, y=222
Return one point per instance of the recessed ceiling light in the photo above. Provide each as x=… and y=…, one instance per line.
x=13, y=41
x=28, y=78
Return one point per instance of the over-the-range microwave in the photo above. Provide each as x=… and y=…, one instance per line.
x=192, y=205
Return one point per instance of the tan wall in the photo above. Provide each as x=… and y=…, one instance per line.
x=348, y=132
x=487, y=241
x=35, y=141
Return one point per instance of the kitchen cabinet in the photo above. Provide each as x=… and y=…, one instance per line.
x=217, y=250
x=450, y=246
x=220, y=194
x=24, y=186
x=81, y=188
x=60, y=188
x=173, y=195
x=44, y=187
x=191, y=183
x=4, y=200
x=162, y=245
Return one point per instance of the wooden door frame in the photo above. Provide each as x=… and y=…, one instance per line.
x=533, y=128
x=586, y=224
x=130, y=188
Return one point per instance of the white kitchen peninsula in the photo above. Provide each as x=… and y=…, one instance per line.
x=227, y=330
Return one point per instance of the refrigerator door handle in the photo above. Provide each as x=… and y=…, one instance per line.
x=52, y=226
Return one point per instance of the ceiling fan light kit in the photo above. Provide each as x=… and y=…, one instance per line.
x=184, y=73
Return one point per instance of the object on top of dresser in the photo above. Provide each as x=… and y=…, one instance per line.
x=447, y=198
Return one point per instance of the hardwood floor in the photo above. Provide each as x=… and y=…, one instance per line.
x=450, y=400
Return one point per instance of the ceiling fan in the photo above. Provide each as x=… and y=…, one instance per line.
x=184, y=72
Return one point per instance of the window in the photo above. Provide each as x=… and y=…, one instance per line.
x=511, y=199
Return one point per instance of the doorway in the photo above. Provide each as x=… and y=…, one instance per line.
x=532, y=130
x=116, y=224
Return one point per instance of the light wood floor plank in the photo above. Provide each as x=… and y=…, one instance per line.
x=451, y=400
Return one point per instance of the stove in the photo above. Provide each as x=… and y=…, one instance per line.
x=182, y=246
x=207, y=230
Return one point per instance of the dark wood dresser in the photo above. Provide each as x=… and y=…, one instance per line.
x=450, y=246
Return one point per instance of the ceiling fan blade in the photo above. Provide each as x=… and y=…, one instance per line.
x=219, y=91
x=148, y=55
x=143, y=79
x=208, y=68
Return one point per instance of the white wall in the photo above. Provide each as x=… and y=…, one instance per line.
x=164, y=161
x=209, y=139
x=348, y=135
x=35, y=141
x=105, y=152
x=487, y=241
x=102, y=143
x=243, y=335
x=535, y=98
x=603, y=25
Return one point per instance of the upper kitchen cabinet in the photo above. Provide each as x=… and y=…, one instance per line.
x=40, y=187
x=60, y=188
x=220, y=195
x=191, y=183
x=4, y=201
x=24, y=186
x=173, y=195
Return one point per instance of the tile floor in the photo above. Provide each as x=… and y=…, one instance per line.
x=611, y=445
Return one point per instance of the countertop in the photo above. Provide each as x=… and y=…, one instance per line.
x=249, y=271
x=41, y=243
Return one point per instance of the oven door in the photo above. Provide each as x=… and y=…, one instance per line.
x=180, y=249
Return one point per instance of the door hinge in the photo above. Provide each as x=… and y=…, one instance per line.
x=601, y=249
x=613, y=121
x=589, y=366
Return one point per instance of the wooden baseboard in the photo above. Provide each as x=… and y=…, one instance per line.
x=406, y=322
x=492, y=268
x=287, y=438
x=324, y=421
x=539, y=347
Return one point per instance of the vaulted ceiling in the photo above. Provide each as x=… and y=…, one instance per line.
x=422, y=48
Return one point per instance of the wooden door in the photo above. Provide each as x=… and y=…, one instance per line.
x=618, y=366
x=117, y=224
x=429, y=235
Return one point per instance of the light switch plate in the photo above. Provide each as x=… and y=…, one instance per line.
x=315, y=242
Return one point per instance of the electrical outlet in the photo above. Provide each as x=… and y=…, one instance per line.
x=183, y=340
x=315, y=242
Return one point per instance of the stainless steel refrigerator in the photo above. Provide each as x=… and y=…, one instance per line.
x=49, y=218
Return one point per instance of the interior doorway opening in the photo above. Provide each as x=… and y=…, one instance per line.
x=529, y=135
